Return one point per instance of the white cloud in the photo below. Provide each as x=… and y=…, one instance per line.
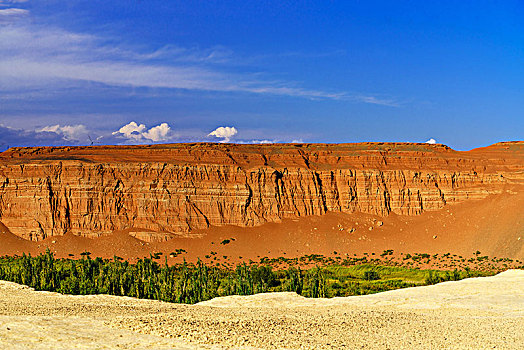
x=13, y=137
x=139, y=132
x=69, y=132
x=263, y=141
x=431, y=141
x=12, y=14
x=10, y=2
x=44, y=57
x=131, y=131
x=158, y=133
x=224, y=132
x=377, y=100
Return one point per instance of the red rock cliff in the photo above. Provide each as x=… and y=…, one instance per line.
x=176, y=188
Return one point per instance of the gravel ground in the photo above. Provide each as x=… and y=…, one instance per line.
x=479, y=313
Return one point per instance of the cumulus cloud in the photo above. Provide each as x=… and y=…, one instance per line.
x=431, y=141
x=13, y=137
x=139, y=132
x=224, y=132
x=131, y=131
x=69, y=132
x=158, y=133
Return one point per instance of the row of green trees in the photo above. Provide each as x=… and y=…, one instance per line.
x=184, y=283
x=192, y=283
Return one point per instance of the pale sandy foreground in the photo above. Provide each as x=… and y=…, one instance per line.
x=479, y=313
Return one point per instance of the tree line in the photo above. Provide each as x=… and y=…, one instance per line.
x=188, y=283
x=183, y=283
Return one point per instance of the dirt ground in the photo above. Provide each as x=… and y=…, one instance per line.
x=477, y=313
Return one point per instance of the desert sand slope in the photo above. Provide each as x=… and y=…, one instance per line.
x=480, y=313
x=493, y=225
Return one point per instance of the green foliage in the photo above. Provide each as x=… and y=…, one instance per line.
x=317, y=283
x=295, y=280
x=177, y=252
x=192, y=283
x=371, y=275
x=434, y=277
x=387, y=252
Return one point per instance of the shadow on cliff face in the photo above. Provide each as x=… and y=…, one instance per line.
x=178, y=188
x=494, y=226
x=11, y=244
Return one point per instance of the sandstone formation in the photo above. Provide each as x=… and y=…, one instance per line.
x=166, y=190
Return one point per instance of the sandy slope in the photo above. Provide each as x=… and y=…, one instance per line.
x=478, y=313
x=494, y=226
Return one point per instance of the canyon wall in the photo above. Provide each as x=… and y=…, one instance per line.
x=175, y=189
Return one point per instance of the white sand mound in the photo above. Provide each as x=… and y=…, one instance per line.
x=476, y=313
x=503, y=293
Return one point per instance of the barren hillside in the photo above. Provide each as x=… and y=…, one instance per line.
x=426, y=198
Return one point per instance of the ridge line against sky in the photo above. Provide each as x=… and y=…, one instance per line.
x=145, y=72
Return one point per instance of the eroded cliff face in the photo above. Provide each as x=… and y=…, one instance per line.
x=174, y=189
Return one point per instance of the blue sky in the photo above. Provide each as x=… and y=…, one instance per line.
x=124, y=72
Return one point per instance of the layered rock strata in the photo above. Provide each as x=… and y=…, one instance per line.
x=174, y=189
